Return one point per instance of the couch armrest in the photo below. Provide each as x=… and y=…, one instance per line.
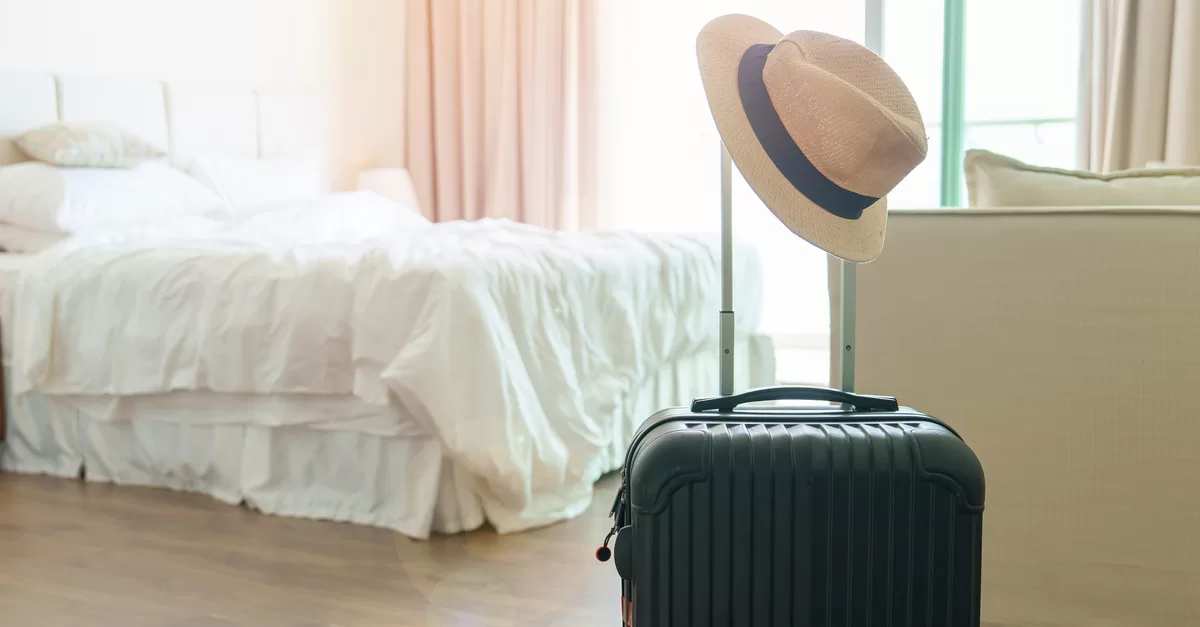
x=1064, y=345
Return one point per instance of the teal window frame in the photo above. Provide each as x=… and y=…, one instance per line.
x=954, y=123
x=953, y=119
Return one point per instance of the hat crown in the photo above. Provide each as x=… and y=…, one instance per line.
x=820, y=127
x=847, y=110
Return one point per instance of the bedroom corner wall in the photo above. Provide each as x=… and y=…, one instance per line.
x=350, y=49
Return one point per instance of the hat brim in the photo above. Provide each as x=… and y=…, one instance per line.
x=719, y=48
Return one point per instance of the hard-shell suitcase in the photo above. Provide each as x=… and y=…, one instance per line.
x=868, y=516
x=860, y=514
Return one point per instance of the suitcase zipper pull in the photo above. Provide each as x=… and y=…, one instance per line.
x=604, y=553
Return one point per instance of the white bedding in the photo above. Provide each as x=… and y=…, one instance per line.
x=16, y=239
x=503, y=340
x=325, y=470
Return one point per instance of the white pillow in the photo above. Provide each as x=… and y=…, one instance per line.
x=243, y=182
x=373, y=207
x=998, y=181
x=67, y=200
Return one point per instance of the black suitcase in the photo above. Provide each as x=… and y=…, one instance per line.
x=861, y=514
x=786, y=516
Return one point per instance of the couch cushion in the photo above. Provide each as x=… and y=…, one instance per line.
x=998, y=181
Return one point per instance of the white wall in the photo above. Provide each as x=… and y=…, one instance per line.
x=352, y=49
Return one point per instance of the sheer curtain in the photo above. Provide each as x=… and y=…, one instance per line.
x=1140, y=96
x=500, y=97
x=660, y=151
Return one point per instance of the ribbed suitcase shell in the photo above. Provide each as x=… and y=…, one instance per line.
x=795, y=517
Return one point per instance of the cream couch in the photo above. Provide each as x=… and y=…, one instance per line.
x=1064, y=344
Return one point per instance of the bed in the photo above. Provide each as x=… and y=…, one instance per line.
x=439, y=368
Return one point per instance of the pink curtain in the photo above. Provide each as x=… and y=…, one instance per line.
x=500, y=109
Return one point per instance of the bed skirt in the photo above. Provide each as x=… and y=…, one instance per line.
x=403, y=483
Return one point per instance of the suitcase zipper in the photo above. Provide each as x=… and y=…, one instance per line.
x=619, y=496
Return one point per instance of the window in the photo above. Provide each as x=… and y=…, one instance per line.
x=663, y=152
x=912, y=45
x=1015, y=98
x=1022, y=101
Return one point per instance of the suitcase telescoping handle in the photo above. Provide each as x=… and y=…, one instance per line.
x=860, y=402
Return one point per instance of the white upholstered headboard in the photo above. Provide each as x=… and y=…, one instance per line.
x=186, y=119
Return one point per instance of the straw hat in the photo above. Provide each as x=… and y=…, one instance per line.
x=821, y=128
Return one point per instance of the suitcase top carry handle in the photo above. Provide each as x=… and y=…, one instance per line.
x=860, y=402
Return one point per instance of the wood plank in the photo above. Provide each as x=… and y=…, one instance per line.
x=83, y=555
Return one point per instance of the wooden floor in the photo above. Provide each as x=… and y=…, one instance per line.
x=82, y=555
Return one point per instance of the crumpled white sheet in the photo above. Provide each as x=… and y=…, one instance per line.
x=511, y=343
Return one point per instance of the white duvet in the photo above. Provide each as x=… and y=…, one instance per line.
x=512, y=344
